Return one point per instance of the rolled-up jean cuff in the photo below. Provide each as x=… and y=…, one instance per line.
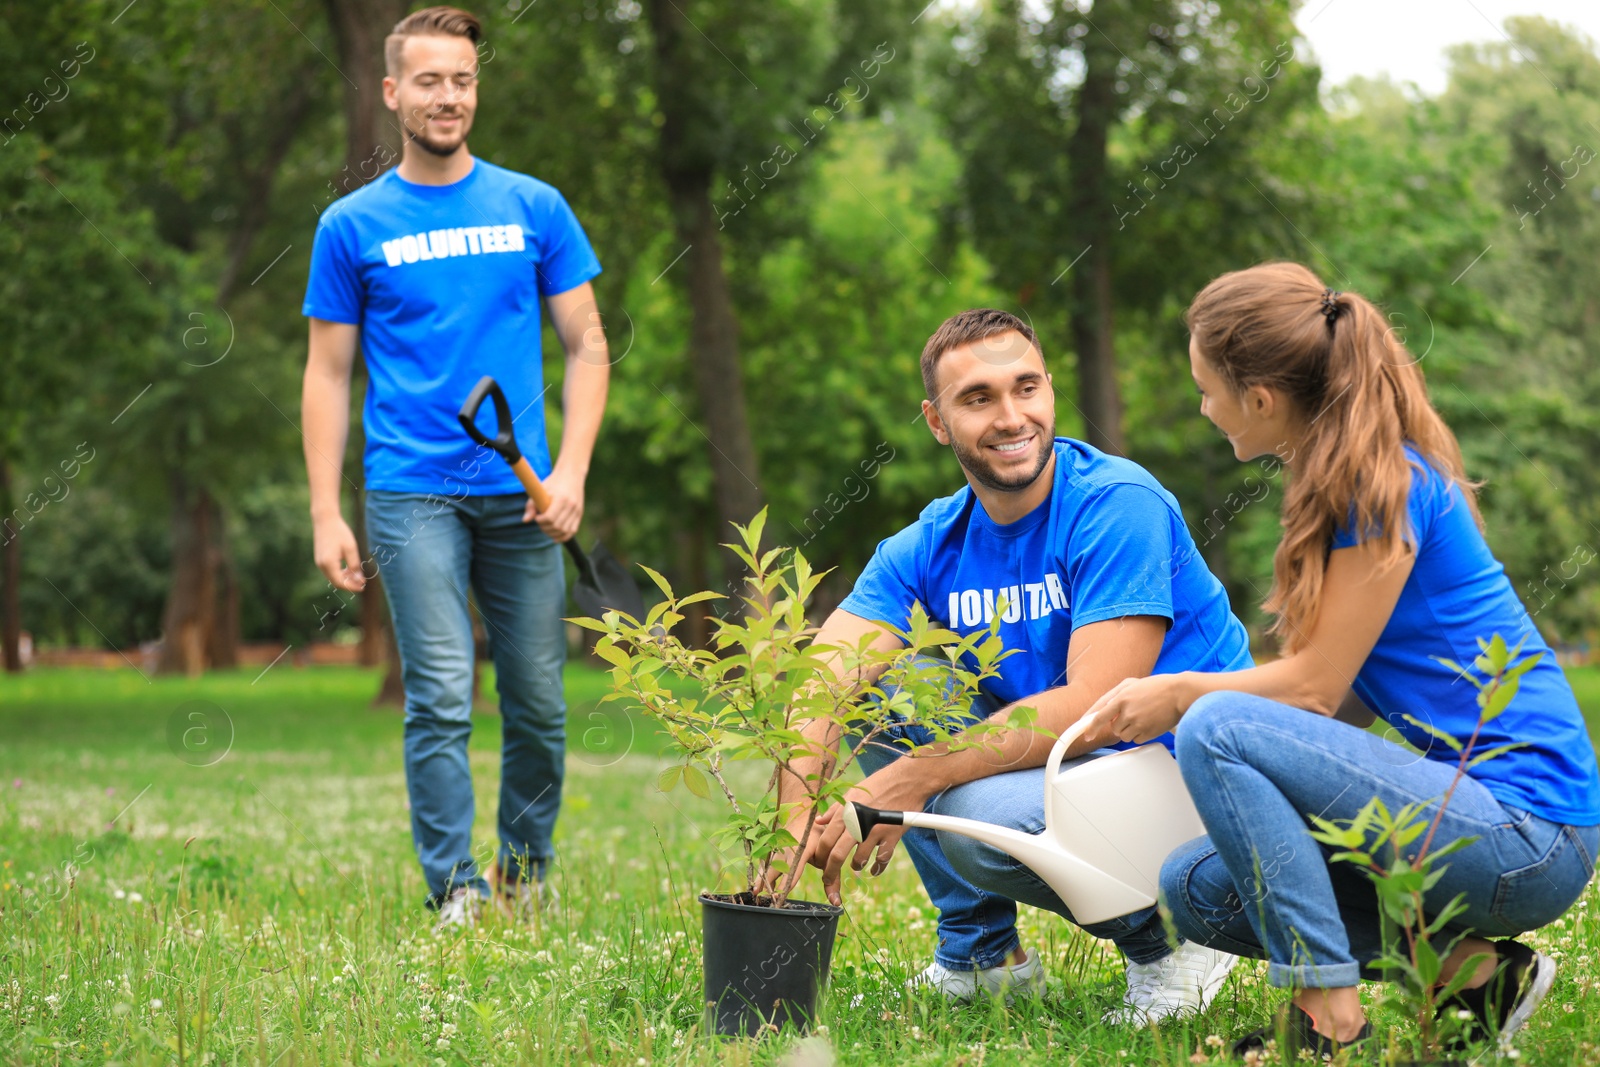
x=1313, y=976
x=994, y=955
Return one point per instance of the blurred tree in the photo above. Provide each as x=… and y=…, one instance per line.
x=1050, y=200
x=79, y=294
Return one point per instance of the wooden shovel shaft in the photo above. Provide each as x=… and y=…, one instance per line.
x=530, y=481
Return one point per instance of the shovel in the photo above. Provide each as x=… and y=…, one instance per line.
x=603, y=582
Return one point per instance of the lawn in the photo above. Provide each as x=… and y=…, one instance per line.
x=242, y=890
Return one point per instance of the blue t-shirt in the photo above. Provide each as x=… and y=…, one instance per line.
x=445, y=281
x=1108, y=542
x=1458, y=592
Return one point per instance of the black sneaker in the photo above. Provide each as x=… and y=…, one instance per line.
x=1502, y=1005
x=1298, y=1034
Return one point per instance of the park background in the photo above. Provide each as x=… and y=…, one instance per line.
x=787, y=197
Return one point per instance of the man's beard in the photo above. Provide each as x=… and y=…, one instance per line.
x=437, y=148
x=984, y=474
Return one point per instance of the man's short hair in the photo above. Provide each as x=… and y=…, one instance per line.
x=964, y=329
x=429, y=22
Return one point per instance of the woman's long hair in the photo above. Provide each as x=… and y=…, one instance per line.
x=1362, y=397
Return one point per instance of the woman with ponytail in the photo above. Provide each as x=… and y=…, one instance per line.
x=1382, y=574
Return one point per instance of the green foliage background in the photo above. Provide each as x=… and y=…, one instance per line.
x=943, y=188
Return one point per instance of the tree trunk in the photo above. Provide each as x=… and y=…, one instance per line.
x=687, y=168
x=372, y=141
x=692, y=545
x=222, y=640
x=392, y=693
x=1099, y=398
x=374, y=618
x=10, y=577
x=190, y=611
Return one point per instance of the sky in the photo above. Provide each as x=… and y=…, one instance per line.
x=1406, y=39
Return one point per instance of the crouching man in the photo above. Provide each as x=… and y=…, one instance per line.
x=1096, y=579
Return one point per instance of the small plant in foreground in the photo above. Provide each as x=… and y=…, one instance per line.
x=765, y=677
x=1376, y=840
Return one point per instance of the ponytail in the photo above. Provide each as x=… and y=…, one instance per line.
x=1363, y=398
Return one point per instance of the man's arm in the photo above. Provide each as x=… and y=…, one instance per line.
x=1099, y=656
x=325, y=426
x=583, y=402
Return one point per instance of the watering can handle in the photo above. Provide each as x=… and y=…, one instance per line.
x=1052, y=766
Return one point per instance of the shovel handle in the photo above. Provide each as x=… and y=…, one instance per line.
x=505, y=440
x=530, y=481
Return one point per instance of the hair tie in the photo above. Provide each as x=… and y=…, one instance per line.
x=1330, y=305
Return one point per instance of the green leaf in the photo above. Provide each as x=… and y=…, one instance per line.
x=1427, y=962
x=660, y=580
x=1429, y=728
x=1498, y=750
x=608, y=651
x=669, y=778
x=697, y=782
x=1459, y=670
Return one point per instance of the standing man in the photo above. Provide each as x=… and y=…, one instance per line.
x=437, y=269
x=1089, y=565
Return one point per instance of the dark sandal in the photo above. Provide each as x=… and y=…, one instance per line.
x=1298, y=1033
x=1502, y=1005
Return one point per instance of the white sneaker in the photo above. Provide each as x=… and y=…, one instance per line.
x=1181, y=983
x=460, y=910
x=962, y=987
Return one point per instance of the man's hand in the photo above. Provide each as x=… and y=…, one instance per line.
x=1141, y=709
x=891, y=789
x=565, y=514
x=333, y=546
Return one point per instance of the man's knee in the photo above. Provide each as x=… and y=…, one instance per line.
x=438, y=693
x=982, y=865
x=1180, y=864
x=995, y=801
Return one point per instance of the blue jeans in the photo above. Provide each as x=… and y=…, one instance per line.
x=430, y=549
x=975, y=886
x=1260, y=886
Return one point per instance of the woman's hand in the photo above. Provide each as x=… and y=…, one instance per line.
x=1142, y=709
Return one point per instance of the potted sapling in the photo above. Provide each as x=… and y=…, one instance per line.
x=746, y=698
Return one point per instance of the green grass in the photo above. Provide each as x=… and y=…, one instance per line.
x=265, y=908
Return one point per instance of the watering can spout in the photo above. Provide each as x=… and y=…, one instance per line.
x=1035, y=850
x=1090, y=894
x=1109, y=824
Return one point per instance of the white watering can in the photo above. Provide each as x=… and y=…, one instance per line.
x=1109, y=823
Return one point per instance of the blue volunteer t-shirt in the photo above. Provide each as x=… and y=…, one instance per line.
x=445, y=281
x=1108, y=542
x=1458, y=592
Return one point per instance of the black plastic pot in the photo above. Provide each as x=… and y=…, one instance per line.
x=764, y=965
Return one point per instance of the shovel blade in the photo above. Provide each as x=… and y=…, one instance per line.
x=604, y=584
